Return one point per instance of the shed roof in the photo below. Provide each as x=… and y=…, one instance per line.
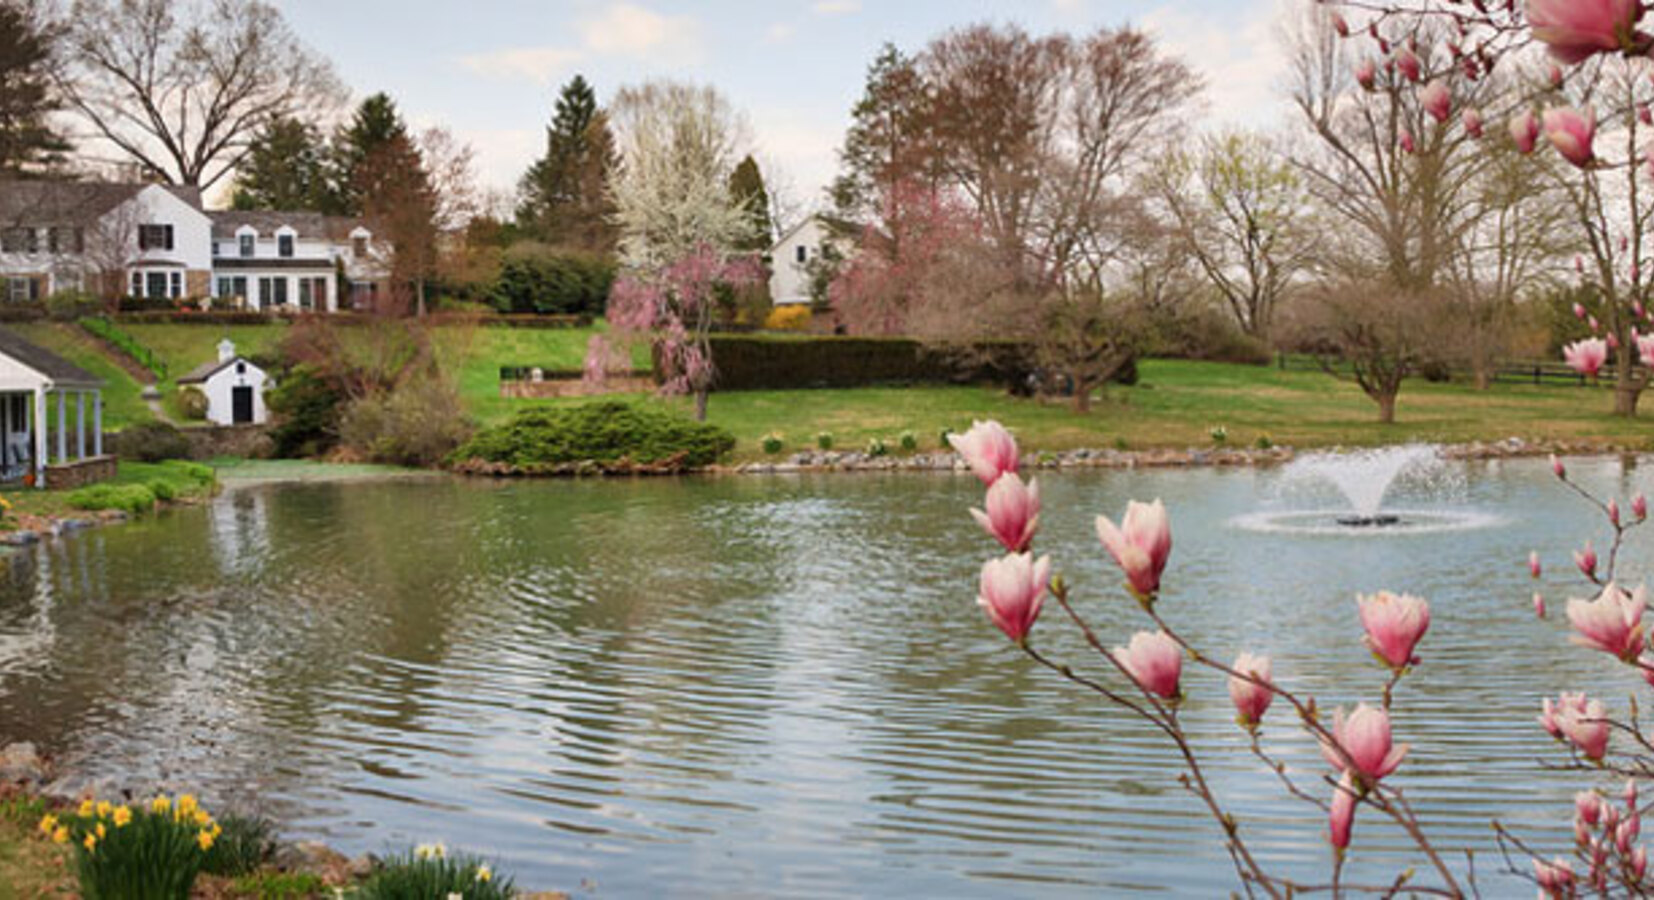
x=206, y=370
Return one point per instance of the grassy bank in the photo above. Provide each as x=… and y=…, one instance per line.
x=169, y=481
x=122, y=403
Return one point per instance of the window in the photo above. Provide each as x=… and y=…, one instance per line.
x=64, y=239
x=358, y=246
x=22, y=290
x=154, y=237
x=284, y=246
x=155, y=284
x=230, y=288
x=304, y=294
x=175, y=281
x=19, y=240
x=241, y=368
x=244, y=243
x=272, y=291
x=319, y=294
x=280, y=296
x=313, y=293
x=137, y=284
x=802, y=253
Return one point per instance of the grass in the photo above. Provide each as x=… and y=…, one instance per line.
x=183, y=347
x=178, y=480
x=1176, y=404
x=122, y=401
x=29, y=868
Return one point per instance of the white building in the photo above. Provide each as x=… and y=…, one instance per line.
x=40, y=390
x=155, y=242
x=234, y=388
x=791, y=257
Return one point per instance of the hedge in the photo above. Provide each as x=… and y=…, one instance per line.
x=758, y=362
x=604, y=432
x=110, y=333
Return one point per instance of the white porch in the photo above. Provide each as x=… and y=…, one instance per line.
x=48, y=426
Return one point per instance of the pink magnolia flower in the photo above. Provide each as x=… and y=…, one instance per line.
x=1555, y=76
x=1407, y=145
x=1586, y=356
x=1644, y=114
x=1407, y=62
x=1572, y=133
x=1012, y=514
x=1437, y=100
x=1556, y=877
x=1613, y=508
x=1639, y=862
x=1645, y=349
x=1586, y=559
x=1591, y=322
x=1394, y=624
x=1534, y=568
x=1579, y=720
x=1588, y=806
x=1613, y=341
x=1524, y=130
x=1472, y=120
x=1557, y=467
x=1579, y=308
x=1575, y=30
x=1340, y=25
x=1366, y=74
x=1639, y=507
x=1538, y=605
x=1250, y=698
x=988, y=449
x=1012, y=590
x=1612, y=623
x=1141, y=544
x=1629, y=794
x=1365, y=737
x=1341, y=814
x=1154, y=661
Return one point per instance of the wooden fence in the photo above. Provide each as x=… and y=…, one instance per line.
x=1510, y=371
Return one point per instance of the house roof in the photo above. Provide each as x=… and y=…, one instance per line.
x=37, y=203
x=206, y=370
x=835, y=227
x=226, y=222
x=55, y=368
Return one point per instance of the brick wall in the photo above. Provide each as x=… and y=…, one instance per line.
x=70, y=475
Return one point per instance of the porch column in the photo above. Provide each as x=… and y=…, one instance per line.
x=40, y=437
x=97, y=423
x=80, y=424
x=62, y=427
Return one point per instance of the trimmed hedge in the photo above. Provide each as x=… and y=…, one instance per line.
x=110, y=333
x=759, y=362
x=605, y=432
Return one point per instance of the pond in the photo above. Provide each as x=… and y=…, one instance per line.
x=781, y=686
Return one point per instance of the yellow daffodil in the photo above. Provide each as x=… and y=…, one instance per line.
x=47, y=824
x=160, y=804
x=205, y=839
x=61, y=835
x=122, y=816
x=485, y=874
x=91, y=842
x=85, y=809
x=202, y=819
x=103, y=809
x=101, y=832
x=430, y=851
x=216, y=830
x=187, y=804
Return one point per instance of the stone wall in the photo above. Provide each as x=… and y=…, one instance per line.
x=70, y=475
x=250, y=441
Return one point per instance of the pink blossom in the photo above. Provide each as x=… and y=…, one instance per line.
x=1629, y=794
x=1556, y=877
x=1366, y=74
x=1588, y=806
x=1579, y=309
x=1472, y=120
x=1645, y=349
x=1437, y=100
x=1645, y=667
x=1340, y=25
x=1613, y=509
x=1408, y=63
x=1250, y=698
x=1626, y=834
x=1557, y=467
x=1586, y=559
x=988, y=449
x=1141, y=544
x=1591, y=322
x=1154, y=661
x=1639, y=507
x=1394, y=624
x=1011, y=592
x=1575, y=30
x=1341, y=814
x=1012, y=516
x=1580, y=720
x=1612, y=623
x=1407, y=145
x=1586, y=356
x=1639, y=863
x=1365, y=737
x=1524, y=130
x=1572, y=133
x=1538, y=605
x=1534, y=568
x=1644, y=114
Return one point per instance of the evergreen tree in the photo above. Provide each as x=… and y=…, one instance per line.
x=563, y=199
x=27, y=141
x=286, y=169
x=890, y=139
x=376, y=126
x=399, y=200
x=747, y=191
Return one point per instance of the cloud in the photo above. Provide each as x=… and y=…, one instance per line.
x=1238, y=54
x=621, y=30
x=835, y=7
x=779, y=33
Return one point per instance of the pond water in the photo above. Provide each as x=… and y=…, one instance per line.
x=780, y=686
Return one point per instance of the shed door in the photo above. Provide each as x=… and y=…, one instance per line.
x=241, y=405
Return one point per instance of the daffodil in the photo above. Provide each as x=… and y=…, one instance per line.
x=85, y=811
x=91, y=842
x=485, y=874
x=122, y=816
x=61, y=835
x=101, y=832
x=103, y=809
x=202, y=819
x=48, y=823
x=205, y=839
x=160, y=804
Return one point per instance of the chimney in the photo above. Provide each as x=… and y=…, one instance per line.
x=226, y=350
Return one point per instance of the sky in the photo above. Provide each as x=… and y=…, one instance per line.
x=489, y=69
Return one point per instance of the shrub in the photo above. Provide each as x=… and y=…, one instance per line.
x=101, y=327
x=1220, y=435
x=909, y=441
x=244, y=844
x=772, y=362
x=150, y=852
x=824, y=440
x=280, y=886
x=536, y=278
x=192, y=402
x=132, y=498
x=418, y=423
x=877, y=447
x=162, y=489
x=153, y=442
x=602, y=432
x=306, y=409
x=773, y=443
x=67, y=306
x=942, y=438
x=792, y=317
x=1264, y=442
x=193, y=474
x=430, y=872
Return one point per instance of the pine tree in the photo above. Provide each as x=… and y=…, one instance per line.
x=889, y=140
x=562, y=195
x=747, y=191
x=286, y=169
x=28, y=142
x=377, y=125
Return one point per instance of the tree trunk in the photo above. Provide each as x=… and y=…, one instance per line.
x=700, y=404
x=419, y=296
x=1386, y=407
x=1082, y=396
x=1625, y=400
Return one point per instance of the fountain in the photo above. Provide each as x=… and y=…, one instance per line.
x=1362, y=479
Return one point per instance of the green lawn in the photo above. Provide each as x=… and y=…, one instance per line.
x=122, y=403
x=1176, y=405
x=183, y=347
x=29, y=501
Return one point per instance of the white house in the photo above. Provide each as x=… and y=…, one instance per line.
x=36, y=387
x=295, y=260
x=234, y=388
x=791, y=257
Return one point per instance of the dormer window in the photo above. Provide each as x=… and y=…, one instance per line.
x=284, y=246
x=244, y=244
x=154, y=237
x=358, y=247
x=802, y=253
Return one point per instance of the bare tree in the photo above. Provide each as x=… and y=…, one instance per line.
x=181, y=88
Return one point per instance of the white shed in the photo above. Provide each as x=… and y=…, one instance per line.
x=233, y=386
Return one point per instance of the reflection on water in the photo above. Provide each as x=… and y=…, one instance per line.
x=768, y=686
